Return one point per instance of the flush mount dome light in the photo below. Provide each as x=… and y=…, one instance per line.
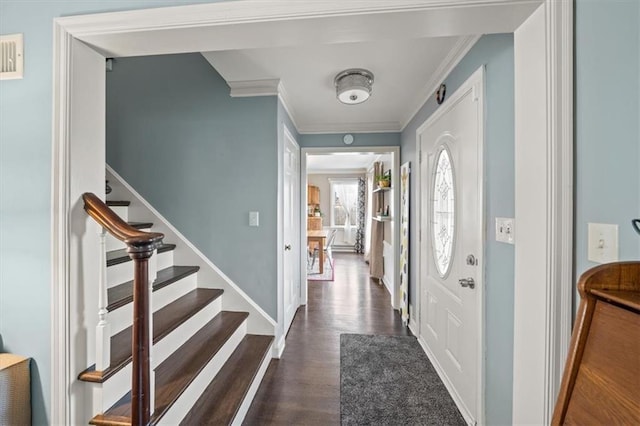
x=353, y=86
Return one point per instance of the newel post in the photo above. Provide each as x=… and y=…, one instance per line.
x=141, y=339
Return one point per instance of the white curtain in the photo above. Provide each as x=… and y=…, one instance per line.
x=348, y=198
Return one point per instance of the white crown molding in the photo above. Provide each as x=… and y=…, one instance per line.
x=250, y=88
x=328, y=128
x=454, y=57
x=271, y=87
x=286, y=104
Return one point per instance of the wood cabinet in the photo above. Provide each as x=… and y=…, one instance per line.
x=313, y=196
x=601, y=380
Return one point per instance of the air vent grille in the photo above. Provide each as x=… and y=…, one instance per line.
x=11, y=56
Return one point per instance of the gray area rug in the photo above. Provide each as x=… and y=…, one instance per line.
x=388, y=380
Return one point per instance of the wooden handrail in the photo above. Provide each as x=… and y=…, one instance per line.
x=117, y=227
x=140, y=246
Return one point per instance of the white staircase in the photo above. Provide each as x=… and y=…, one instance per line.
x=211, y=343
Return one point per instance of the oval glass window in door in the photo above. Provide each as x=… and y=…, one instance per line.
x=444, y=210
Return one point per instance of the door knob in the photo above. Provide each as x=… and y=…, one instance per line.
x=287, y=247
x=467, y=282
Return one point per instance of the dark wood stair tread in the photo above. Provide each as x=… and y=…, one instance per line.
x=115, y=257
x=165, y=320
x=122, y=294
x=175, y=373
x=220, y=401
x=118, y=203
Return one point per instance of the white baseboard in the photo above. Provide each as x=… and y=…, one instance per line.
x=413, y=326
x=468, y=418
x=278, y=347
x=248, y=399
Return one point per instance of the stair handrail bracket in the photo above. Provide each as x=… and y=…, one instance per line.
x=140, y=246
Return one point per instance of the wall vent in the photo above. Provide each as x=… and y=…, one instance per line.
x=11, y=56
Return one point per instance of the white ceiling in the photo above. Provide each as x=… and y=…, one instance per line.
x=343, y=162
x=410, y=45
x=403, y=70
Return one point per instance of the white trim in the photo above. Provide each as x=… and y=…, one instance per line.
x=184, y=241
x=253, y=389
x=283, y=327
x=249, y=88
x=452, y=59
x=278, y=347
x=60, y=339
x=468, y=418
x=286, y=104
x=551, y=246
x=413, y=326
x=395, y=152
x=253, y=11
x=475, y=83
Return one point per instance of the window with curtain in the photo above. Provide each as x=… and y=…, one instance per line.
x=344, y=203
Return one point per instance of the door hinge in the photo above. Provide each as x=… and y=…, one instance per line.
x=420, y=156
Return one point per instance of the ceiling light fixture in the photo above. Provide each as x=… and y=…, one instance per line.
x=353, y=86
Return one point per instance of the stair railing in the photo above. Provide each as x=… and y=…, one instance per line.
x=140, y=246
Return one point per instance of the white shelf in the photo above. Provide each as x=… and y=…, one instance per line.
x=382, y=218
x=386, y=188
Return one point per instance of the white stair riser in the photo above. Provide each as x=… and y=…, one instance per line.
x=122, y=317
x=180, y=335
x=185, y=402
x=248, y=399
x=120, y=383
x=123, y=272
x=165, y=260
x=122, y=211
x=113, y=243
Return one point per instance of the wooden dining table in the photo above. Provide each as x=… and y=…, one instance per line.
x=318, y=237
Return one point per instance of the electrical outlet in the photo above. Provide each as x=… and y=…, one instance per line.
x=254, y=218
x=505, y=230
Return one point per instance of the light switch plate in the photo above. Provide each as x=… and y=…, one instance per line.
x=254, y=218
x=602, y=242
x=506, y=230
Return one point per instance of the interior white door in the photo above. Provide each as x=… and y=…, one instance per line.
x=291, y=272
x=451, y=243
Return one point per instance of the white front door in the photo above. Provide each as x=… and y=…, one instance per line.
x=291, y=272
x=451, y=244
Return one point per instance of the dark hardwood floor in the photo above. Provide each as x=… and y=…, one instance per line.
x=303, y=387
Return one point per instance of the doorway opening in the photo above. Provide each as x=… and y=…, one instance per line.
x=346, y=211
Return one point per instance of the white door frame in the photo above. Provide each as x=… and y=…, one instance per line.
x=477, y=79
x=395, y=223
x=108, y=33
x=282, y=328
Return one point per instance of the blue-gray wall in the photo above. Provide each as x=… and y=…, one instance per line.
x=496, y=53
x=203, y=159
x=607, y=116
x=359, y=139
